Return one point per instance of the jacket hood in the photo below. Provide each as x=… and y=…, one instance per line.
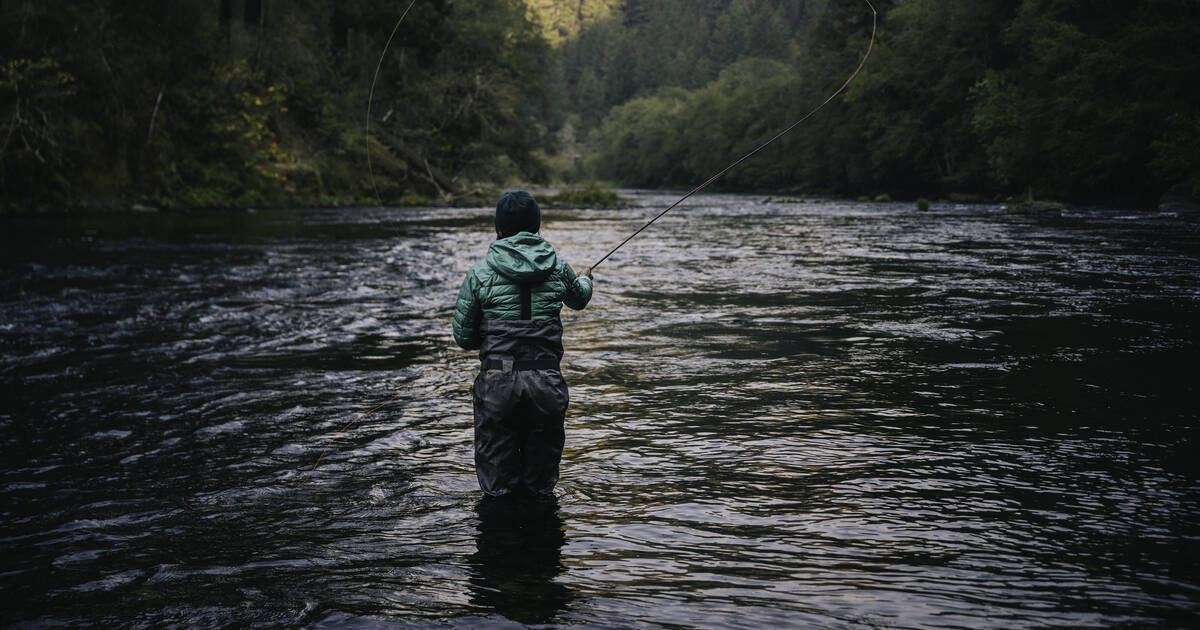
x=522, y=258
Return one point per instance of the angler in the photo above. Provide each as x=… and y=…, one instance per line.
x=508, y=309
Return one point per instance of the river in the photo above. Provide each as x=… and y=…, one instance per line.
x=783, y=414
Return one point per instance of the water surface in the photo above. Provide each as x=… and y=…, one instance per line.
x=818, y=414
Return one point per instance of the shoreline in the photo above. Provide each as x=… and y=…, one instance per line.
x=591, y=195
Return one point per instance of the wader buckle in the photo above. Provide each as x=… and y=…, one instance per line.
x=529, y=364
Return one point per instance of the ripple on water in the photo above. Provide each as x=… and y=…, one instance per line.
x=827, y=414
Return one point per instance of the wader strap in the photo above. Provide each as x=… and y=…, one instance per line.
x=526, y=302
x=533, y=364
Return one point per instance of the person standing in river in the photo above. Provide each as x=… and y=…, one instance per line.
x=508, y=309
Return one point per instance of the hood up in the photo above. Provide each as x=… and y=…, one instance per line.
x=524, y=258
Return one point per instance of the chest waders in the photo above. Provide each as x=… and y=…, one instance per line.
x=520, y=401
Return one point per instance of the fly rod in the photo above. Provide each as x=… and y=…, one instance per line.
x=715, y=177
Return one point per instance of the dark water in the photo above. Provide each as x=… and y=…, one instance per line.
x=827, y=415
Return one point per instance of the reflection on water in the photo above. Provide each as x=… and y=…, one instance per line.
x=817, y=414
x=518, y=555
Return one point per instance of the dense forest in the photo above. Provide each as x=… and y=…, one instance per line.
x=1090, y=102
x=207, y=103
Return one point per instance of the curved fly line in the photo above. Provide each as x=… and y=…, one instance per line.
x=371, y=99
x=710, y=180
x=718, y=174
x=371, y=173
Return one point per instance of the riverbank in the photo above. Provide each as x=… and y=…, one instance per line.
x=591, y=196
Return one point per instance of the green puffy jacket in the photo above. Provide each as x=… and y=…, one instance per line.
x=492, y=288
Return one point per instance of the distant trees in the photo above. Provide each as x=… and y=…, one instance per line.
x=672, y=43
x=1061, y=98
x=249, y=102
x=562, y=20
x=671, y=136
x=1097, y=101
x=913, y=103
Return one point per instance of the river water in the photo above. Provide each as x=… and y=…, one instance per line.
x=818, y=414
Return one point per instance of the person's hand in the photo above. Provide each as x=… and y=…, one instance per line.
x=587, y=274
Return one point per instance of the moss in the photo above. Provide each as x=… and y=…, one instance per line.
x=1035, y=207
x=413, y=200
x=590, y=197
x=883, y=198
x=251, y=199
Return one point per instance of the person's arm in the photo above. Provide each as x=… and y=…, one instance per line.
x=467, y=314
x=579, y=288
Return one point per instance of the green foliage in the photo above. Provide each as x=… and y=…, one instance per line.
x=35, y=92
x=638, y=143
x=923, y=204
x=561, y=21
x=1177, y=153
x=910, y=98
x=995, y=97
x=883, y=198
x=184, y=104
x=674, y=137
x=413, y=200
x=1086, y=110
x=672, y=43
x=247, y=123
x=187, y=105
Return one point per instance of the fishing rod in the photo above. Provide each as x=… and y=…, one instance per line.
x=710, y=180
x=715, y=177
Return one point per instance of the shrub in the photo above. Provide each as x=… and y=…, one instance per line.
x=414, y=200
x=590, y=197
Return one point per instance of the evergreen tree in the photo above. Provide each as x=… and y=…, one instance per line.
x=1096, y=99
x=197, y=104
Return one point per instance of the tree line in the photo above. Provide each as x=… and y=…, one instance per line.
x=204, y=103
x=1067, y=99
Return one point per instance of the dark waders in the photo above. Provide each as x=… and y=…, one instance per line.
x=520, y=404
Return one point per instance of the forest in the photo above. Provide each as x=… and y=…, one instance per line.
x=253, y=103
